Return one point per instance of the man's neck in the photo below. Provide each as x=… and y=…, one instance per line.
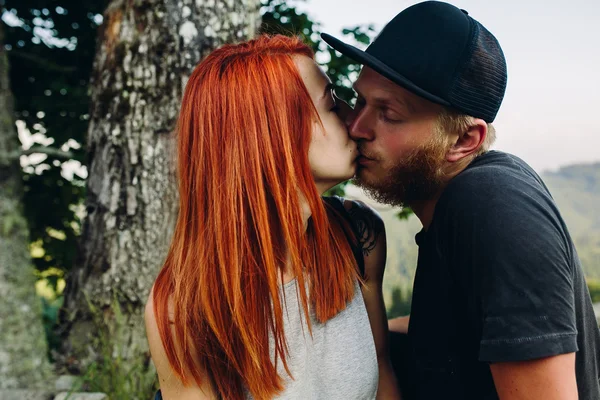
x=425, y=209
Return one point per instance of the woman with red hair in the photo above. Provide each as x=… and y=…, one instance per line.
x=268, y=290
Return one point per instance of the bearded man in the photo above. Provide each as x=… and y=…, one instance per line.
x=500, y=306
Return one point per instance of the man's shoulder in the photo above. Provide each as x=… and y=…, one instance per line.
x=494, y=166
x=492, y=183
x=493, y=174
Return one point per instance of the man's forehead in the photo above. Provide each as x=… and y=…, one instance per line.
x=368, y=74
x=370, y=81
x=375, y=87
x=371, y=84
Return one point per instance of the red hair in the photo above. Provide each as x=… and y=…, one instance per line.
x=243, y=135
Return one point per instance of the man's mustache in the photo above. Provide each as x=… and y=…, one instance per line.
x=365, y=153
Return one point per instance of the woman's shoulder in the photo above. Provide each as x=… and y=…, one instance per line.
x=357, y=209
x=170, y=384
x=369, y=229
x=368, y=223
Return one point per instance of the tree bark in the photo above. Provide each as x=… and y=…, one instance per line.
x=146, y=52
x=23, y=347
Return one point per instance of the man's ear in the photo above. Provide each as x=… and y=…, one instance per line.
x=468, y=142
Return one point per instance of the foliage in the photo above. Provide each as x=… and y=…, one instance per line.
x=404, y=213
x=283, y=17
x=337, y=190
x=50, y=310
x=400, y=303
x=594, y=288
x=51, y=45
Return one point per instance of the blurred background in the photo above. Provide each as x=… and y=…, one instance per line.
x=89, y=92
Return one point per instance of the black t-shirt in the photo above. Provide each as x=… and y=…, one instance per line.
x=498, y=279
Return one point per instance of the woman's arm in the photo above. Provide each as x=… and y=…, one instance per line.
x=373, y=240
x=399, y=324
x=170, y=385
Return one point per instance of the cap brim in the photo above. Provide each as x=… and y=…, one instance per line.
x=379, y=67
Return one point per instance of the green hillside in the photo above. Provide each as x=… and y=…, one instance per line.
x=575, y=188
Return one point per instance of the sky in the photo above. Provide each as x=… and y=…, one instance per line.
x=551, y=111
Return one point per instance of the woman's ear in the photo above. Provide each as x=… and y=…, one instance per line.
x=468, y=142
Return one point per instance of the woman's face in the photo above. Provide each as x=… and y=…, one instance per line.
x=332, y=154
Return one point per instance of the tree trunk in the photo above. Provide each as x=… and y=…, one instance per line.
x=23, y=347
x=146, y=51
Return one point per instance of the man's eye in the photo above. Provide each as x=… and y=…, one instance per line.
x=390, y=119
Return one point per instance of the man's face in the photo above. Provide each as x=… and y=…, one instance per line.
x=401, y=154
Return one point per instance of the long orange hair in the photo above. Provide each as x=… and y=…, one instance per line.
x=243, y=135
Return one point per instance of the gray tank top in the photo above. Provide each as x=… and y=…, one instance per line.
x=337, y=362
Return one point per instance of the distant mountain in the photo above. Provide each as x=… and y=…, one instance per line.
x=575, y=188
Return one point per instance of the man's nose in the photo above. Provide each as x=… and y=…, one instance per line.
x=359, y=125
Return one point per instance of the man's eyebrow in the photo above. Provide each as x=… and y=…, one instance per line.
x=387, y=101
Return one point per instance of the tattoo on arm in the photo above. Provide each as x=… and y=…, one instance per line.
x=367, y=225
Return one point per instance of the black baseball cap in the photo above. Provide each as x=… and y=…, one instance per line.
x=438, y=52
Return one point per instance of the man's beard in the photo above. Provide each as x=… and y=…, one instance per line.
x=415, y=178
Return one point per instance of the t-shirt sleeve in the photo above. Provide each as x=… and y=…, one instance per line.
x=511, y=254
